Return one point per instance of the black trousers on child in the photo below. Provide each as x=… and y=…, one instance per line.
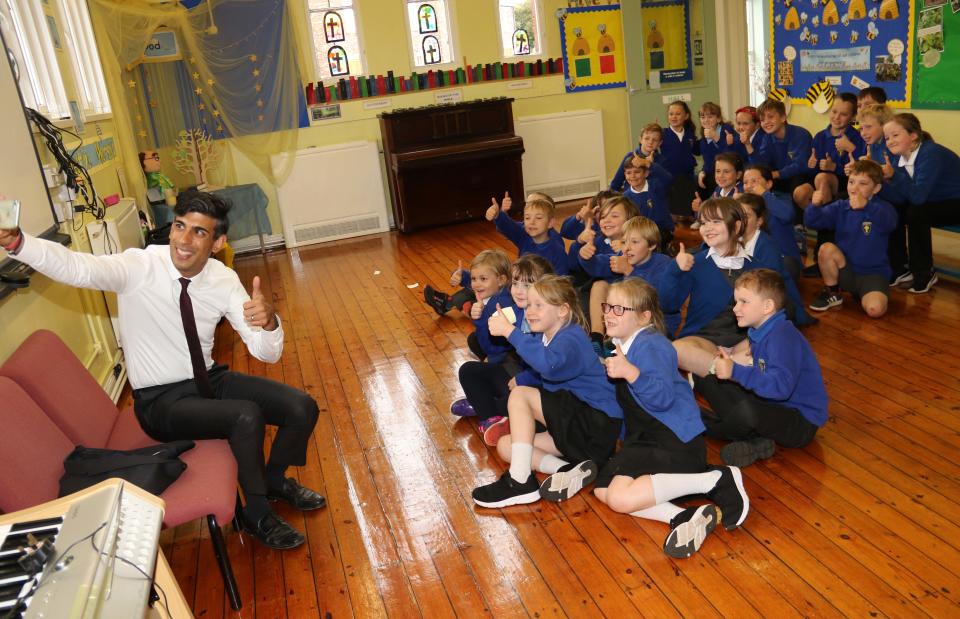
x=919, y=219
x=239, y=411
x=485, y=386
x=739, y=414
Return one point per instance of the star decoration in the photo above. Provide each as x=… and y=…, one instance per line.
x=256, y=72
x=193, y=60
x=210, y=82
x=139, y=118
x=132, y=84
x=258, y=87
x=198, y=91
x=201, y=107
x=253, y=57
x=153, y=104
x=259, y=102
x=196, y=75
x=142, y=133
x=220, y=128
x=216, y=113
x=260, y=117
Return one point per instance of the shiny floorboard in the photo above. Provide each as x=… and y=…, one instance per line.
x=864, y=522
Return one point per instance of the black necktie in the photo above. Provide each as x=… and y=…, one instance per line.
x=200, y=376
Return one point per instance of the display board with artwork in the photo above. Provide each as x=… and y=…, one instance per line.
x=936, y=61
x=591, y=38
x=850, y=44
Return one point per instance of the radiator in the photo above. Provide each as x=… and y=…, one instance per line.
x=564, y=155
x=334, y=192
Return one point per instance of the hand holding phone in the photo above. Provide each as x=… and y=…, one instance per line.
x=9, y=214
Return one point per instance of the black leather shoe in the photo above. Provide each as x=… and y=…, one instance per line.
x=296, y=495
x=273, y=532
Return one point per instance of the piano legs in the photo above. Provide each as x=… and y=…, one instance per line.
x=223, y=560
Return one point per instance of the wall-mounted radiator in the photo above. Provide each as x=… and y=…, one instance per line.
x=334, y=192
x=564, y=155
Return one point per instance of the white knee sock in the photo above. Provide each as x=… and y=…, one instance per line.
x=521, y=459
x=550, y=464
x=668, y=486
x=663, y=512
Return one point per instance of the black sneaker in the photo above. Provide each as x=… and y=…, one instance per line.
x=730, y=496
x=904, y=276
x=826, y=299
x=505, y=491
x=811, y=271
x=745, y=453
x=569, y=480
x=439, y=301
x=689, y=528
x=923, y=283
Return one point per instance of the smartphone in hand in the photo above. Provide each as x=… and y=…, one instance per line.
x=9, y=214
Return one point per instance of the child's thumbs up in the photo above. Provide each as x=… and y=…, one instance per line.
x=684, y=260
x=507, y=201
x=493, y=211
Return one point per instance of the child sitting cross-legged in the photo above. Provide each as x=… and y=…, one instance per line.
x=774, y=396
x=575, y=405
x=663, y=455
x=486, y=385
x=858, y=261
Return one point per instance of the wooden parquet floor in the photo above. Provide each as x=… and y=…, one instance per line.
x=864, y=522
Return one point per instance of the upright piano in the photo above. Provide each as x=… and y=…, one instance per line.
x=445, y=162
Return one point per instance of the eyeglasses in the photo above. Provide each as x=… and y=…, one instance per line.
x=522, y=285
x=155, y=157
x=617, y=310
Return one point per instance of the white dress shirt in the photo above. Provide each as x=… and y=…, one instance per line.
x=907, y=162
x=148, y=299
x=734, y=262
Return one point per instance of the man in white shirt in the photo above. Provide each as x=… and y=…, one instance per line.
x=170, y=301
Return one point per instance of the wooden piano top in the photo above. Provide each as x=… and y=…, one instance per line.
x=438, y=125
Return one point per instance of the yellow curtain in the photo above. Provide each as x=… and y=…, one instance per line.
x=259, y=126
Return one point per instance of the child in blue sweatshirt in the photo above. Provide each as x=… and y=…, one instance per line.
x=747, y=124
x=716, y=136
x=639, y=258
x=664, y=454
x=575, y=402
x=679, y=149
x=832, y=149
x=727, y=172
x=775, y=395
x=784, y=148
x=928, y=176
x=536, y=234
x=649, y=195
x=486, y=385
x=858, y=260
x=779, y=217
x=649, y=148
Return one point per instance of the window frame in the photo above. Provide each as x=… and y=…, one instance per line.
x=85, y=63
x=541, y=35
x=453, y=36
x=318, y=75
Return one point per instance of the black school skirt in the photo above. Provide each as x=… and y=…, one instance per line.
x=579, y=431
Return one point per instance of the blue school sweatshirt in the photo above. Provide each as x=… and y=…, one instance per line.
x=709, y=149
x=568, y=362
x=553, y=249
x=660, y=390
x=653, y=203
x=706, y=286
x=741, y=150
x=780, y=224
x=862, y=235
x=784, y=369
x=825, y=143
x=679, y=155
x=788, y=156
x=766, y=251
x=718, y=191
x=936, y=175
x=496, y=347
x=527, y=377
x=878, y=153
x=657, y=171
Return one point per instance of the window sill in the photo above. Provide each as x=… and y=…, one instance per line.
x=67, y=123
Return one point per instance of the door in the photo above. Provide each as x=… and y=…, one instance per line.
x=654, y=47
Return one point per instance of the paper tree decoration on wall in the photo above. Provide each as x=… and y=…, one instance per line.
x=427, y=19
x=333, y=27
x=196, y=153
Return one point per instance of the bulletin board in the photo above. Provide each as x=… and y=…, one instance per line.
x=592, y=42
x=936, y=58
x=851, y=44
x=666, y=39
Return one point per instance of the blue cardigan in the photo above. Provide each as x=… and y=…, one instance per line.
x=780, y=224
x=495, y=347
x=569, y=363
x=741, y=150
x=936, y=175
x=784, y=369
x=709, y=149
x=527, y=377
x=678, y=156
x=660, y=390
x=825, y=143
x=788, y=156
x=862, y=235
x=766, y=252
x=552, y=249
x=657, y=171
x=653, y=203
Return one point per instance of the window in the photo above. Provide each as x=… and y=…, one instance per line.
x=759, y=60
x=430, y=32
x=336, y=39
x=520, y=28
x=34, y=38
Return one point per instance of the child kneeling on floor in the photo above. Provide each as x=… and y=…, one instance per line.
x=664, y=454
x=575, y=409
x=778, y=397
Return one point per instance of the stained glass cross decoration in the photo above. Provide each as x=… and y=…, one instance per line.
x=427, y=19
